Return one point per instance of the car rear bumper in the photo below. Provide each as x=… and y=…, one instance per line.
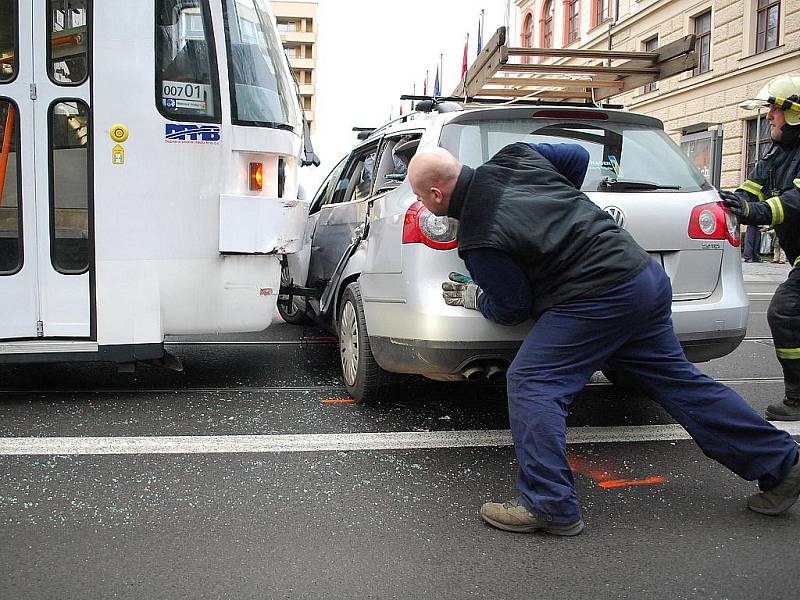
x=425, y=357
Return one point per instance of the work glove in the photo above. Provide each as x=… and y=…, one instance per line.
x=735, y=203
x=461, y=290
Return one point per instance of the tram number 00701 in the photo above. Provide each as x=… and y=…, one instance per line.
x=190, y=91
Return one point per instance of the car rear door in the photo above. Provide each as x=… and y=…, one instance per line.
x=343, y=212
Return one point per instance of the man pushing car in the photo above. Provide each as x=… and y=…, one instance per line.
x=536, y=247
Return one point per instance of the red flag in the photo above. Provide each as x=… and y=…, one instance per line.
x=464, y=62
x=401, y=109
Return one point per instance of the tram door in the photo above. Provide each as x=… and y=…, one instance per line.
x=46, y=239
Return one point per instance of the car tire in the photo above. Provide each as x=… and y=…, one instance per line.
x=293, y=312
x=363, y=377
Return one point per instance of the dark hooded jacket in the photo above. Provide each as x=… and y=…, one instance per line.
x=520, y=204
x=774, y=184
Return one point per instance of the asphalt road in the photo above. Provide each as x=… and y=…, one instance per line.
x=275, y=488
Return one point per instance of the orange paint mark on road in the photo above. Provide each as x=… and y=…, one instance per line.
x=582, y=466
x=338, y=401
x=618, y=483
x=320, y=338
x=604, y=478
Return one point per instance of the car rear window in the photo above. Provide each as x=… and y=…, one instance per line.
x=623, y=151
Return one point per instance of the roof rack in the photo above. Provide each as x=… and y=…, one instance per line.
x=493, y=76
x=474, y=102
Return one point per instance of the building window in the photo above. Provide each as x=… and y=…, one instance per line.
x=287, y=26
x=599, y=12
x=757, y=138
x=527, y=31
x=291, y=51
x=548, y=12
x=768, y=19
x=572, y=10
x=702, y=47
x=650, y=45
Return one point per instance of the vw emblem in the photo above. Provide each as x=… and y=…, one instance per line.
x=616, y=214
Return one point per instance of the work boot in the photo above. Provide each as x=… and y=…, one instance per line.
x=512, y=516
x=788, y=410
x=779, y=498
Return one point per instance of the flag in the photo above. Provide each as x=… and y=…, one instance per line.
x=436, y=90
x=464, y=62
x=425, y=86
x=480, y=33
x=401, y=109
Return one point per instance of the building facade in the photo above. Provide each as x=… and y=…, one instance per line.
x=741, y=45
x=297, y=24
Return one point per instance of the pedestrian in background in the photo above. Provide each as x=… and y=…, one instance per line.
x=778, y=255
x=752, y=242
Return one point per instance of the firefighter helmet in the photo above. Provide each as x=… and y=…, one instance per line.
x=784, y=93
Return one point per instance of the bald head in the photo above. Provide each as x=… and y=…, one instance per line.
x=433, y=174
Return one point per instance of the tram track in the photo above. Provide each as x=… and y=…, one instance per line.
x=303, y=389
x=326, y=342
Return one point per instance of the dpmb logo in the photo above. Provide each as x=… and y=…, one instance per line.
x=183, y=133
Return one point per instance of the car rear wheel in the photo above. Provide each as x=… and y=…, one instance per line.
x=362, y=376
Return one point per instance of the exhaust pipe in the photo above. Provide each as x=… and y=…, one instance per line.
x=496, y=373
x=474, y=373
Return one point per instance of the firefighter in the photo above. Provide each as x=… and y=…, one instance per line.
x=771, y=196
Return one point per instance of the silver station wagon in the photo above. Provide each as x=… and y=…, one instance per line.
x=376, y=258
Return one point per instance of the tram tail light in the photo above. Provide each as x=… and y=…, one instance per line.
x=256, y=176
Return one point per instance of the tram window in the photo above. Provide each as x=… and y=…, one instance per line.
x=187, y=84
x=261, y=89
x=10, y=214
x=69, y=184
x=8, y=40
x=68, y=30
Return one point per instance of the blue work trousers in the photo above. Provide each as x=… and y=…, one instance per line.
x=629, y=329
x=752, y=243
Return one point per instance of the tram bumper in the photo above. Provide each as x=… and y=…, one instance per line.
x=261, y=225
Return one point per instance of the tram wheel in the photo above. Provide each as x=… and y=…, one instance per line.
x=293, y=312
x=363, y=377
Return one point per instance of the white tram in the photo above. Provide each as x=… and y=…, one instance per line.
x=148, y=174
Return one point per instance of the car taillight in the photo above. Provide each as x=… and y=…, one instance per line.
x=713, y=221
x=421, y=226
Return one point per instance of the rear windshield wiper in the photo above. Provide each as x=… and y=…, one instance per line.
x=621, y=185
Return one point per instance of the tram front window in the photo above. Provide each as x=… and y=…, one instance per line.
x=8, y=39
x=187, y=81
x=69, y=40
x=262, y=92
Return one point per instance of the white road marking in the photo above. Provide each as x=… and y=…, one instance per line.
x=407, y=440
